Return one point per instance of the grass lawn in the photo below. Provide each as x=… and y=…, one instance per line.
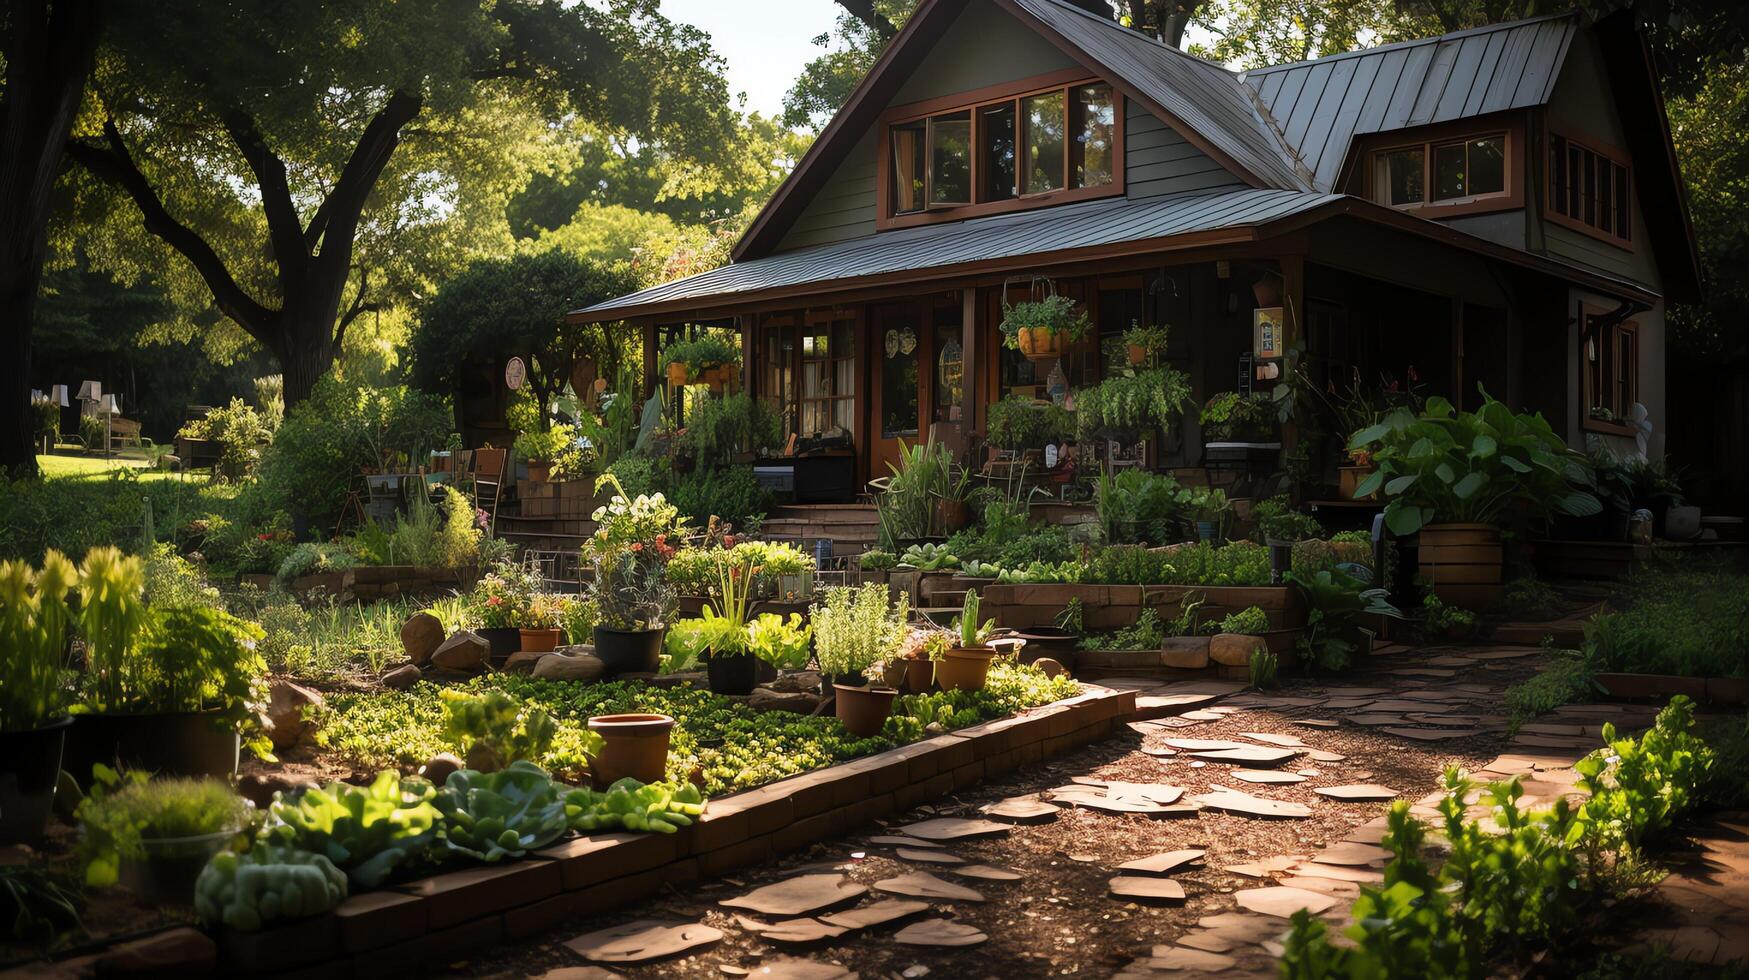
x=98, y=468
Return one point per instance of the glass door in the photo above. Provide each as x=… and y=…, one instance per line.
x=901, y=348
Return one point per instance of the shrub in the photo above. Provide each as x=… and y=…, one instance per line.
x=1568, y=679
x=46, y=416
x=719, y=428
x=1229, y=416
x=315, y=558
x=1688, y=618
x=240, y=430
x=1252, y=621
x=1278, y=520
x=733, y=494
x=1025, y=423
x=640, y=475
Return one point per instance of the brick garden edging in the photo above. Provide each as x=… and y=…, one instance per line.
x=450, y=916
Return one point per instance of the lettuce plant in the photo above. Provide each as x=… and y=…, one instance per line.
x=492, y=816
x=366, y=831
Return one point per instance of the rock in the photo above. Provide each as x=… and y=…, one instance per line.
x=463, y=651
x=286, y=724
x=440, y=766
x=1051, y=667
x=559, y=667
x=523, y=661
x=402, y=677
x=796, y=682
x=1185, y=652
x=766, y=699
x=1234, y=649
x=421, y=635
x=260, y=788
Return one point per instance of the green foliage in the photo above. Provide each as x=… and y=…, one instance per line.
x=92, y=431
x=37, y=904
x=1336, y=604
x=1009, y=688
x=1138, y=507
x=1149, y=338
x=429, y=536
x=1689, y=618
x=662, y=807
x=708, y=350
x=501, y=814
x=492, y=731
x=732, y=494
x=1056, y=314
x=782, y=643
x=874, y=559
x=34, y=619
x=1640, y=786
x=1131, y=404
x=856, y=628
x=697, y=571
x=264, y=885
x=241, y=431
x=73, y=515
x=122, y=813
x=972, y=633
x=1491, y=466
x=1235, y=563
x=1439, y=619
x=1252, y=621
x=1026, y=423
x=172, y=580
x=1278, y=520
x=47, y=421
x=330, y=640
x=1146, y=633
x=315, y=558
x=366, y=831
x=718, y=428
x=1229, y=416
x=556, y=446
x=640, y=475
x=909, y=498
x=928, y=557
x=1262, y=668
x=1568, y=679
x=1529, y=597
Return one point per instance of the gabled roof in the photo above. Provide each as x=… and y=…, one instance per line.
x=1322, y=105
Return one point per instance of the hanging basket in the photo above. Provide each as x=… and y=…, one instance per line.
x=677, y=373
x=1040, y=343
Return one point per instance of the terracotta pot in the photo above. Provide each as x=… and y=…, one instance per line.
x=964, y=668
x=1461, y=563
x=1352, y=477
x=1138, y=354
x=1040, y=343
x=919, y=675
x=634, y=745
x=539, y=641
x=677, y=373
x=952, y=515
x=539, y=470
x=863, y=710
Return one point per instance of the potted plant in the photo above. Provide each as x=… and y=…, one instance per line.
x=708, y=359
x=782, y=643
x=854, y=629
x=169, y=689
x=542, y=624
x=1281, y=527
x=1457, y=479
x=1042, y=330
x=730, y=665
x=965, y=667
x=155, y=835
x=633, y=746
x=1142, y=342
x=34, y=693
x=547, y=452
x=1131, y=404
x=921, y=658
x=630, y=551
x=499, y=602
x=1240, y=429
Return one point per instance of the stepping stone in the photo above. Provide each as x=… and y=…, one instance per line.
x=1202, y=715
x=1270, y=738
x=922, y=884
x=928, y=857
x=1339, y=873
x=1318, y=723
x=1354, y=854
x=1130, y=683
x=1161, y=864
x=1240, y=927
x=1355, y=692
x=1207, y=941
x=1203, y=744
x=645, y=939
x=881, y=912
x=791, y=968
x=1282, y=902
x=1266, y=776
x=1021, y=809
x=1358, y=793
x=799, y=895
x=1322, y=755
x=984, y=871
x=1253, y=755
x=1505, y=654
x=954, y=828
x=1375, y=721
x=1147, y=889
x=794, y=930
x=1262, y=869
x=1347, y=704
x=940, y=932
x=1125, y=805
x=1433, y=735
x=1159, y=751
x=1152, y=792
x=1337, y=887
x=1246, y=805
x=888, y=841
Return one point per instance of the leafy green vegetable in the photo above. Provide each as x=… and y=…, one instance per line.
x=265, y=885
x=366, y=832
x=491, y=816
x=645, y=808
x=494, y=731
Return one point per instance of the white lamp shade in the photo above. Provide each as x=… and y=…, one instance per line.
x=90, y=391
x=112, y=404
x=58, y=395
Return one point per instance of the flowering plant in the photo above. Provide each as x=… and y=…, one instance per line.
x=630, y=592
x=502, y=596
x=633, y=543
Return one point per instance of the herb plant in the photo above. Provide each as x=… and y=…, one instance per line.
x=34, y=618
x=125, y=811
x=1131, y=404
x=854, y=629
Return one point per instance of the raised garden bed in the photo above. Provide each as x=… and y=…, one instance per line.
x=1716, y=690
x=1108, y=607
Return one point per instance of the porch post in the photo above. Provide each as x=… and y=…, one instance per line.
x=647, y=333
x=1293, y=301
x=971, y=392
x=745, y=323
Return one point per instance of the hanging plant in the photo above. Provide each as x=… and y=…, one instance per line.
x=1132, y=404
x=1043, y=329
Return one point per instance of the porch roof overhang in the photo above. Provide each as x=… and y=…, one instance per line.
x=1041, y=240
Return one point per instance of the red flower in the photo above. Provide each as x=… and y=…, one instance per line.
x=728, y=540
x=265, y=535
x=637, y=546
x=493, y=600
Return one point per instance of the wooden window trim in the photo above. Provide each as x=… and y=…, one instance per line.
x=975, y=102
x=1426, y=139
x=1610, y=340
x=1609, y=152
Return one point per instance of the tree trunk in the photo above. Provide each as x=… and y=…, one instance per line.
x=49, y=55
x=305, y=353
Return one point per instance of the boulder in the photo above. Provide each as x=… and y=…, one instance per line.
x=440, y=766
x=796, y=682
x=421, y=636
x=261, y=787
x=1052, y=668
x=1234, y=649
x=523, y=661
x=766, y=699
x=1185, y=652
x=559, y=667
x=402, y=677
x=286, y=724
x=465, y=650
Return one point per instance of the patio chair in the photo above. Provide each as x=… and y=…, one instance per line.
x=488, y=472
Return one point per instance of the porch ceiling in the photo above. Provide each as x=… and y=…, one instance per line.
x=1053, y=236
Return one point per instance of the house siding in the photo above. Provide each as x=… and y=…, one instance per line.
x=844, y=208
x=1157, y=160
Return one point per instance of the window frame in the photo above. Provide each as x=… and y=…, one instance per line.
x=1603, y=151
x=1610, y=345
x=976, y=102
x=1428, y=140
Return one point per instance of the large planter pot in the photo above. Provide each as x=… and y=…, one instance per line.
x=629, y=651
x=1461, y=563
x=1352, y=477
x=863, y=710
x=952, y=515
x=964, y=668
x=538, y=640
x=919, y=675
x=732, y=675
x=501, y=641
x=183, y=743
x=1040, y=343
x=540, y=470
x=30, y=762
x=633, y=745
x=1048, y=641
x=167, y=872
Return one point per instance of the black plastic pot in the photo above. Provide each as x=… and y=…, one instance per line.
x=732, y=675
x=30, y=762
x=846, y=680
x=629, y=651
x=182, y=743
x=501, y=641
x=1048, y=641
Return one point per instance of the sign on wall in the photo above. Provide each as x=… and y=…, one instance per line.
x=515, y=373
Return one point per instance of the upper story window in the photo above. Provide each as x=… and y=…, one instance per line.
x=1036, y=145
x=1590, y=189
x=1442, y=173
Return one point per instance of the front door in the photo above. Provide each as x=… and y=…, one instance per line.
x=900, y=352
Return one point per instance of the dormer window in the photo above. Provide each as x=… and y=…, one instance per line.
x=1442, y=173
x=1035, y=145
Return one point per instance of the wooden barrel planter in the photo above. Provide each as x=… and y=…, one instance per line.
x=1461, y=563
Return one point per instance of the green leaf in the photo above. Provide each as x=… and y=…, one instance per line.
x=1401, y=484
x=1484, y=446
x=1580, y=505
x=1467, y=487
x=1372, y=433
x=1403, y=521
x=1370, y=485
x=1515, y=465
x=1445, y=473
